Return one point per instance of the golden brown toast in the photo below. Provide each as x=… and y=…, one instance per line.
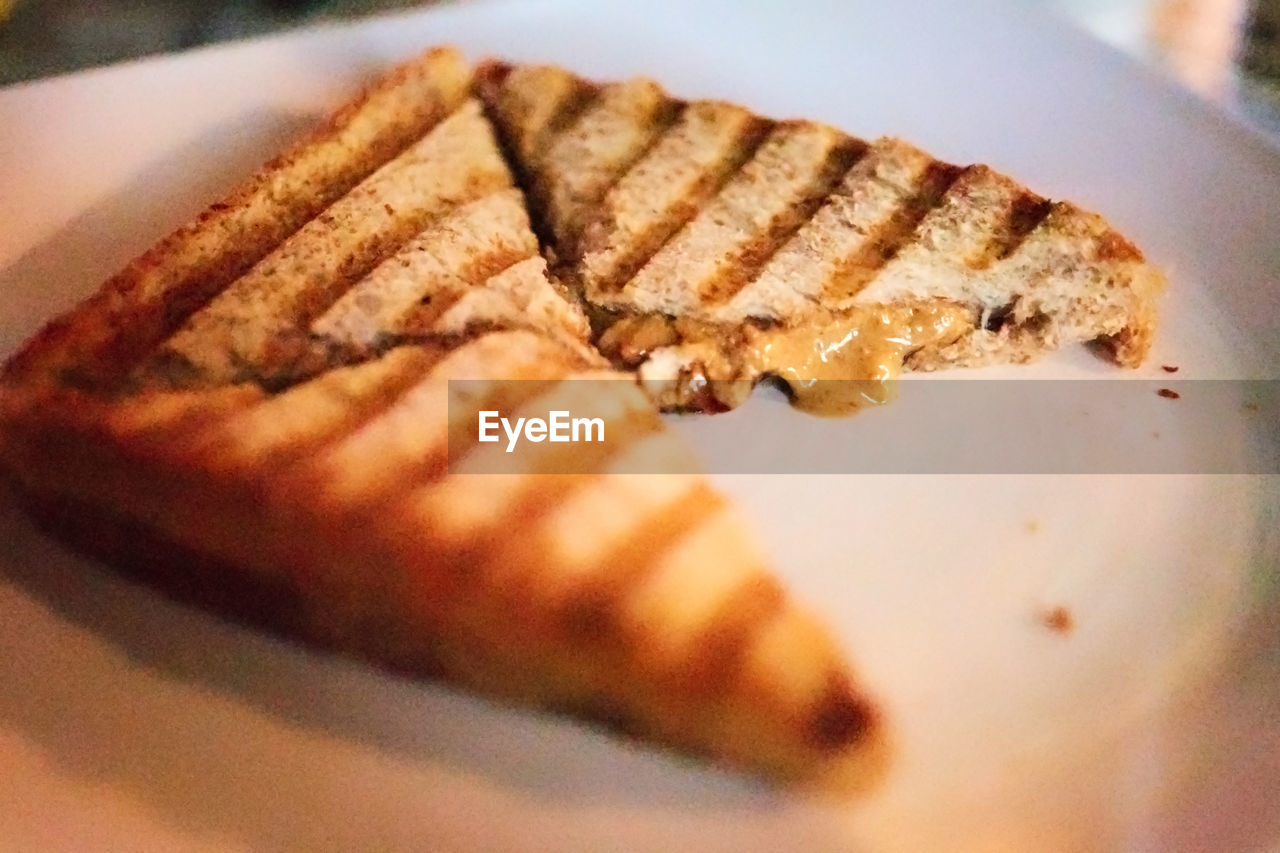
x=258, y=416
x=715, y=246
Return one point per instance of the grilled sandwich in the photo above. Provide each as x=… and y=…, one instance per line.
x=714, y=247
x=257, y=416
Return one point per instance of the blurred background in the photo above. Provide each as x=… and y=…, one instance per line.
x=1225, y=50
x=43, y=37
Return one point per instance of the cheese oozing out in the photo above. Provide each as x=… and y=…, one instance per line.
x=832, y=366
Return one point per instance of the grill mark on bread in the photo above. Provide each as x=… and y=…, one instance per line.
x=461, y=250
x=590, y=214
x=490, y=76
x=500, y=544
x=456, y=162
x=826, y=715
x=488, y=487
x=518, y=297
x=586, y=156
x=848, y=239
x=752, y=257
x=309, y=416
x=582, y=98
x=401, y=450
x=158, y=291
x=527, y=105
x=1025, y=215
x=514, y=380
x=1113, y=246
x=504, y=396
x=577, y=537
x=374, y=465
x=726, y=641
x=593, y=610
x=668, y=115
x=631, y=196
x=856, y=270
x=421, y=318
x=356, y=474
x=678, y=601
x=971, y=222
x=567, y=111
x=552, y=484
x=353, y=470
x=700, y=263
x=530, y=122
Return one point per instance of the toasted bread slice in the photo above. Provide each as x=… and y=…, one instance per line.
x=387, y=260
x=717, y=245
x=102, y=340
x=265, y=424
x=344, y=512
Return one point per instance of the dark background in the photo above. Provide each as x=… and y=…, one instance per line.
x=43, y=37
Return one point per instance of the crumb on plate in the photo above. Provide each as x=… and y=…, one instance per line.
x=1058, y=619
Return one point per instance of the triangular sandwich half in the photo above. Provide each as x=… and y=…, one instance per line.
x=715, y=246
x=257, y=416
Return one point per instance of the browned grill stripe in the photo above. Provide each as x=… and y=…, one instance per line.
x=511, y=561
x=712, y=181
x=593, y=611
x=666, y=119
x=379, y=248
x=752, y=257
x=1111, y=246
x=432, y=463
x=490, y=76
x=288, y=353
x=732, y=630
x=567, y=113
x=857, y=271
x=372, y=400
x=1026, y=214
x=369, y=407
x=431, y=307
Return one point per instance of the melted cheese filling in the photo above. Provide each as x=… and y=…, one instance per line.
x=839, y=368
x=833, y=367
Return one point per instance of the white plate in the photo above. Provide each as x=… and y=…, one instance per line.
x=129, y=722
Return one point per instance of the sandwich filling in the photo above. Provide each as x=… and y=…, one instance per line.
x=831, y=367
